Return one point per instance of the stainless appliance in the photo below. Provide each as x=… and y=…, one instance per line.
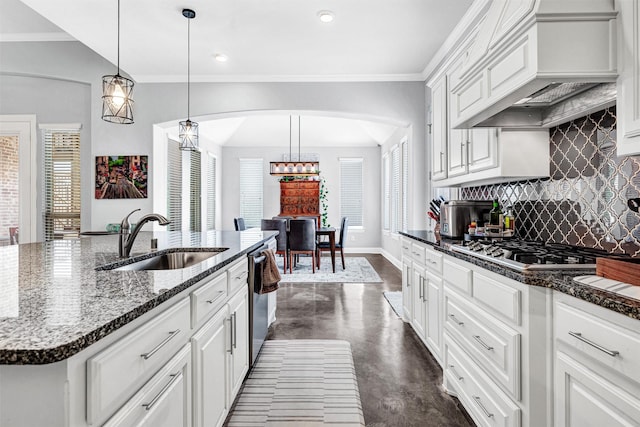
x=258, y=303
x=524, y=255
x=456, y=215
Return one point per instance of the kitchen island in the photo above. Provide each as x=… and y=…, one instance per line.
x=66, y=327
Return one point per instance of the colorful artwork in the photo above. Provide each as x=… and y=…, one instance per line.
x=121, y=177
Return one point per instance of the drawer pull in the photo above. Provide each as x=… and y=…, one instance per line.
x=174, y=378
x=405, y=248
x=235, y=330
x=231, y=334
x=453, y=317
x=457, y=375
x=146, y=356
x=482, y=343
x=487, y=413
x=242, y=275
x=218, y=295
x=578, y=335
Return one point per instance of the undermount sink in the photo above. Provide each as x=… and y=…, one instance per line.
x=173, y=260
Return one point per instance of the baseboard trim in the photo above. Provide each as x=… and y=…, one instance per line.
x=393, y=260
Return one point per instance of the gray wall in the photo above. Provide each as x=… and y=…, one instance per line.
x=403, y=102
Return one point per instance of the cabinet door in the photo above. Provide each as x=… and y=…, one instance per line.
x=419, y=299
x=439, y=129
x=457, y=152
x=628, y=86
x=239, y=323
x=585, y=399
x=434, y=325
x=407, y=289
x=210, y=347
x=482, y=149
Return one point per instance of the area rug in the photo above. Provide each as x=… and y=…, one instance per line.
x=300, y=383
x=395, y=301
x=357, y=270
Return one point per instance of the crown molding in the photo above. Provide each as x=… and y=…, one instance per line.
x=36, y=37
x=267, y=78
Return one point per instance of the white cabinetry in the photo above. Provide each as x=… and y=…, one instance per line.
x=407, y=296
x=596, y=365
x=418, y=320
x=239, y=323
x=628, y=85
x=439, y=128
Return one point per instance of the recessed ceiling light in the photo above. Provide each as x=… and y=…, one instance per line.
x=221, y=57
x=326, y=16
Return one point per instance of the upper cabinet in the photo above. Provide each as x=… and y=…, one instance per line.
x=628, y=85
x=439, y=128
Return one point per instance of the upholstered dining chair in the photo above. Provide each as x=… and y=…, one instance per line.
x=302, y=240
x=239, y=224
x=342, y=239
x=287, y=218
x=282, y=240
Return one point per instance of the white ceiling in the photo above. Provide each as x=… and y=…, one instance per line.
x=265, y=40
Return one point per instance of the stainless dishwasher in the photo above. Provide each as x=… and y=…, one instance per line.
x=258, y=303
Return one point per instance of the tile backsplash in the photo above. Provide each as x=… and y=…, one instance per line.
x=584, y=202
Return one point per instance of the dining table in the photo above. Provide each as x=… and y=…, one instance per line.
x=331, y=232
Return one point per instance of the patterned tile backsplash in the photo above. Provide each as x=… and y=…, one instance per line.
x=584, y=202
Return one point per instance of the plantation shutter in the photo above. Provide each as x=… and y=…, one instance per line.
x=251, y=172
x=174, y=185
x=195, y=190
x=62, y=183
x=395, y=189
x=351, y=191
x=211, y=192
x=405, y=186
x=387, y=192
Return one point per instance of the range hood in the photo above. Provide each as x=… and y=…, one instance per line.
x=537, y=63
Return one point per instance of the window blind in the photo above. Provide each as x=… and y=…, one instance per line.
x=386, y=200
x=211, y=192
x=62, y=183
x=251, y=173
x=395, y=189
x=174, y=185
x=405, y=185
x=351, y=191
x=195, y=190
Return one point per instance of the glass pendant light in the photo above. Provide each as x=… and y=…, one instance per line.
x=117, y=101
x=187, y=129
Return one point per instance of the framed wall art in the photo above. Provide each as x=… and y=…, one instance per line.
x=121, y=177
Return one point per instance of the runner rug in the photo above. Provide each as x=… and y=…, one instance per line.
x=300, y=383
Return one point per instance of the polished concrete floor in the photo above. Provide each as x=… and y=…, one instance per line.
x=399, y=380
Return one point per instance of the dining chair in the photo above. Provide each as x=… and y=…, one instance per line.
x=239, y=224
x=282, y=240
x=342, y=239
x=302, y=240
x=287, y=218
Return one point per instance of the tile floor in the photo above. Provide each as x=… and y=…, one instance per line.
x=399, y=381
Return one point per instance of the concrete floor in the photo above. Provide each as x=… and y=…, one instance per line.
x=399, y=380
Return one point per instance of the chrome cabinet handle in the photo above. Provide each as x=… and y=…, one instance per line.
x=405, y=247
x=441, y=158
x=424, y=289
x=578, y=335
x=453, y=317
x=461, y=153
x=174, y=377
x=235, y=330
x=242, y=275
x=479, y=403
x=157, y=348
x=420, y=288
x=482, y=343
x=453, y=371
x=218, y=295
x=230, y=334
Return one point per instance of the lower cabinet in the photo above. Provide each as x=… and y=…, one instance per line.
x=239, y=350
x=419, y=307
x=407, y=290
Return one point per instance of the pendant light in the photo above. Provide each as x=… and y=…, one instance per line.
x=188, y=130
x=117, y=101
x=292, y=168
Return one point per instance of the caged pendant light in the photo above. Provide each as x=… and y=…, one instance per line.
x=117, y=101
x=188, y=130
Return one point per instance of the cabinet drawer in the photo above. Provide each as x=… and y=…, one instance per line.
x=163, y=401
x=487, y=404
x=238, y=275
x=406, y=248
x=208, y=299
x=434, y=260
x=117, y=372
x=493, y=345
x=497, y=298
x=457, y=276
x=417, y=253
x=611, y=344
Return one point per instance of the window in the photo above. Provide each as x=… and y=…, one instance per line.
x=251, y=173
x=386, y=201
x=395, y=190
x=195, y=189
x=351, y=191
x=62, y=183
x=211, y=192
x=174, y=185
x=405, y=185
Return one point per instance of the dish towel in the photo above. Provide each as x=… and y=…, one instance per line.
x=270, y=274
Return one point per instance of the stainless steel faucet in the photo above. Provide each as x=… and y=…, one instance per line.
x=127, y=237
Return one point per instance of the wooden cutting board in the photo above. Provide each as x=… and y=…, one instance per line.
x=625, y=270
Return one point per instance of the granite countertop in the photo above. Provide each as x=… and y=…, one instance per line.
x=561, y=281
x=54, y=303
